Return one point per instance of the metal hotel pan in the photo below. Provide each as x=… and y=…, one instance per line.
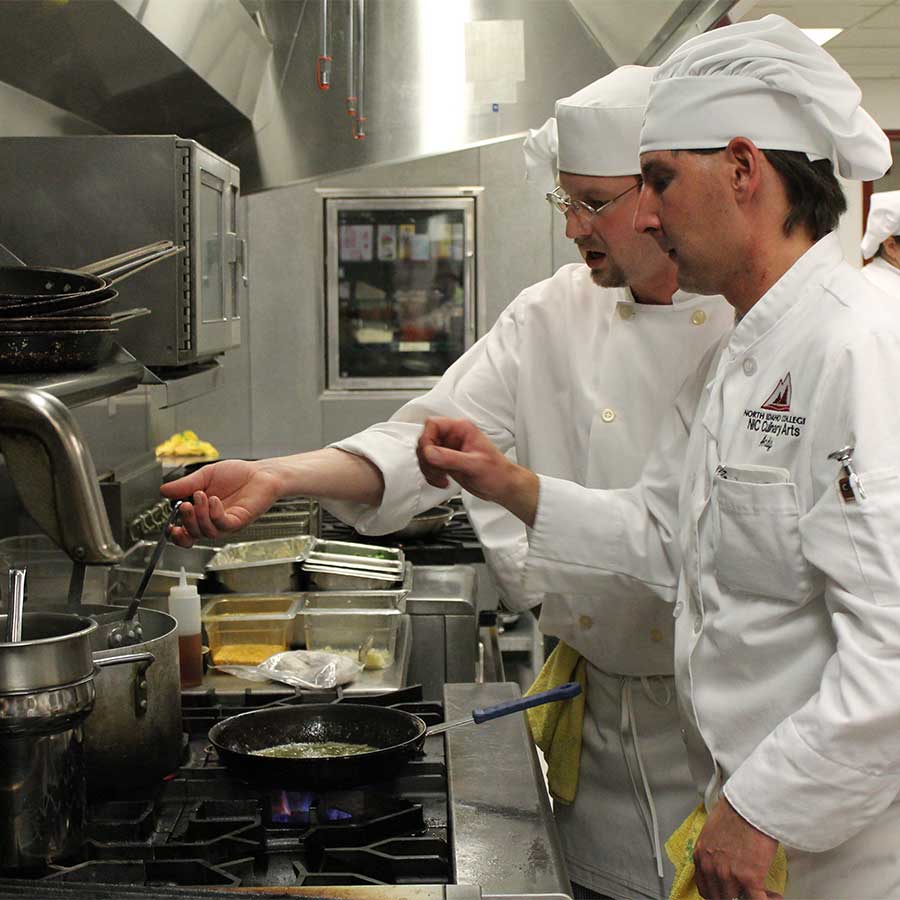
x=398, y=735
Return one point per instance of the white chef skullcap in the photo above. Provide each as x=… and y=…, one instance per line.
x=600, y=125
x=767, y=81
x=883, y=221
x=540, y=156
x=596, y=131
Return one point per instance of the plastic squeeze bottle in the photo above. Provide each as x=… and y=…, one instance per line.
x=184, y=605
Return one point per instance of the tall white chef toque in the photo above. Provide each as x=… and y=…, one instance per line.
x=766, y=81
x=596, y=131
x=883, y=221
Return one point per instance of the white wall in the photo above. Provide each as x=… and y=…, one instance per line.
x=881, y=99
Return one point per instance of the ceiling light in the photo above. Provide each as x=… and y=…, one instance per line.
x=821, y=35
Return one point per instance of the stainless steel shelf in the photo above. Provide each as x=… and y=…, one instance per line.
x=120, y=372
x=178, y=387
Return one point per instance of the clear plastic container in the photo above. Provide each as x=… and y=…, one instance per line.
x=343, y=624
x=245, y=631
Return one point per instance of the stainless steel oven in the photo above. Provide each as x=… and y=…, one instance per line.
x=66, y=201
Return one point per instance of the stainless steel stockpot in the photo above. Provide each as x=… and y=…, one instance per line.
x=133, y=736
x=55, y=650
x=47, y=692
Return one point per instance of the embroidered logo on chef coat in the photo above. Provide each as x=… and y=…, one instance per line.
x=780, y=399
x=771, y=419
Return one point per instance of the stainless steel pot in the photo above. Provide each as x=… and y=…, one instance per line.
x=55, y=650
x=42, y=785
x=47, y=691
x=133, y=736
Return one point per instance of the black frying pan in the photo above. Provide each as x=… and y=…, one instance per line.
x=73, y=304
x=398, y=735
x=37, y=288
x=54, y=351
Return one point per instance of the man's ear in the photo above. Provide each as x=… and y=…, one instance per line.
x=892, y=249
x=744, y=159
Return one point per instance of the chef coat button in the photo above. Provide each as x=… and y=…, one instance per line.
x=679, y=606
x=698, y=317
x=656, y=635
x=608, y=414
x=698, y=624
x=626, y=311
x=585, y=622
x=749, y=366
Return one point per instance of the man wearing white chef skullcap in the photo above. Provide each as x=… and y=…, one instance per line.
x=773, y=497
x=882, y=240
x=575, y=377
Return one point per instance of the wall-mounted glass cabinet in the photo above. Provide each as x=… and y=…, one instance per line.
x=400, y=285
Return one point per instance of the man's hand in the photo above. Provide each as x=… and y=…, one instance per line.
x=732, y=858
x=226, y=496
x=456, y=448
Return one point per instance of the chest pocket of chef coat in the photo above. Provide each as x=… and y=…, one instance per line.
x=758, y=548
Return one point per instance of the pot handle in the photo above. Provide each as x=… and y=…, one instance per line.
x=562, y=692
x=144, y=660
x=126, y=658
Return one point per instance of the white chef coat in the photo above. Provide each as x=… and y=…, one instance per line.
x=576, y=379
x=884, y=276
x=788, y=596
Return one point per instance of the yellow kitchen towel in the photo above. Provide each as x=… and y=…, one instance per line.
x=680, y=850
x=556, y=727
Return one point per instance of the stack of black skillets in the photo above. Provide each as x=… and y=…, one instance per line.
x=60, y=319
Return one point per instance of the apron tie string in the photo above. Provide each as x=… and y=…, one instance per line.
x=628, y=725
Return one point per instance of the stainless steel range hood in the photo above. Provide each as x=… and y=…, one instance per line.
x=440, y=76
x=240, y=75
x=137, y=66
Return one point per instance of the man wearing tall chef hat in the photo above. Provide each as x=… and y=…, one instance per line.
x=773, y=497
x=575, y=377
x=882, y=240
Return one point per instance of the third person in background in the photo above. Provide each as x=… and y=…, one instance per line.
x=882, y=240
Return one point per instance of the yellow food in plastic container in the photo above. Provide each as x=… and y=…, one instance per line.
x=244, y=654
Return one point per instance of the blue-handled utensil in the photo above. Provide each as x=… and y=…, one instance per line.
x=563, y=692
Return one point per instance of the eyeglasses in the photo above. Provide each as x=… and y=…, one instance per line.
x=562, y=203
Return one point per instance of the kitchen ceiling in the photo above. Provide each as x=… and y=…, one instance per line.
x=869, y=46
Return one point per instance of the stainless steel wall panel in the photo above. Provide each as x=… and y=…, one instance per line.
x=517, y=222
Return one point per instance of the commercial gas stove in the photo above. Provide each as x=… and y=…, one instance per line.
x=467, y=818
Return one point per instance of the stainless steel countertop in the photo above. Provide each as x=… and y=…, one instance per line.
x=504, y=834
x=369, y=681
x=65, y=891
